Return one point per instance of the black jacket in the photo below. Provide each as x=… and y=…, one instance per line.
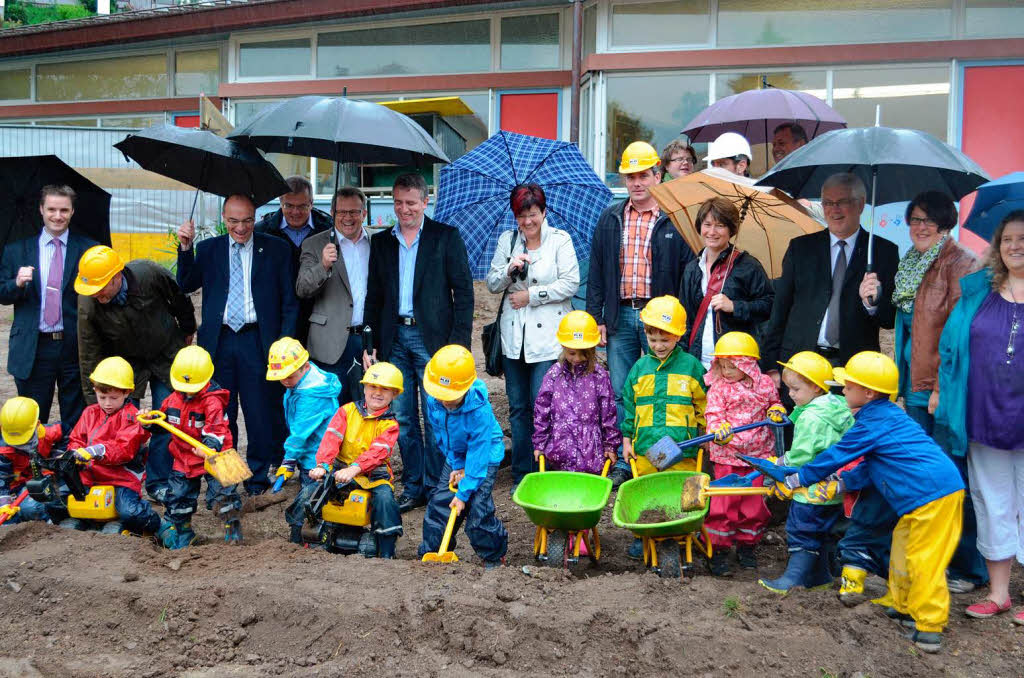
x=747, y=286
x=803, y=291
x=442, y=289
x=669, y=255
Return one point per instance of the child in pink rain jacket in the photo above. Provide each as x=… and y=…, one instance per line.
x=738, y=393
x=574, y=423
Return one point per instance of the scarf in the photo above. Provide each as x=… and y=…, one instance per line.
x=121, y=298
x=911, y=271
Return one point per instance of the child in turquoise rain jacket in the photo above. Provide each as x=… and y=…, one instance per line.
x=310, y=400
x=468, y=434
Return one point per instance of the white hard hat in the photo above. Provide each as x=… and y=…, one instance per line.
x=728, y=145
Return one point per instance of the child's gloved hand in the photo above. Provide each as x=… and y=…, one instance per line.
x=825, y=491
x=776, y=414
x=723, y=434
x=780, y=491
x=8, y=510
x=287, y=469
x=85, y=455
x=346, y=474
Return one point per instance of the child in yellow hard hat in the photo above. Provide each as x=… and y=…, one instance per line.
x=819, y=419
x=473, y=446
x=197, y=407
x=917, y=479
x=310, y=400
x=574, y=415
x=738, y=394
x=359, y=441
x=23, y=435
x=111, y=444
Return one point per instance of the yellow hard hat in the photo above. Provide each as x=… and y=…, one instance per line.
x=386, y=375
x=95, y=269
x=578, y=329
x=191, y=370
x=811, y=367
x=736, y=344
x=637, y=157
x=19, y=419
x=872, y=370
x=114, y=371
x=665, y=313
x=450, y=373
x=286, y=356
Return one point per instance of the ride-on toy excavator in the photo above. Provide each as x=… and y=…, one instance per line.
x=88, y=506
x=338, y=517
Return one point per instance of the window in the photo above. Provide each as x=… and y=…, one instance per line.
x=589, y=30
x=816, y=22
x=652, y=108
x=452, y=47
x=134, y=77
x=275, y=58
x=813, y=82
x=197, y=72
x=134, y=122
x=681, y=22
x=529, y=42
x=994, y=18
x=16, y=84
x=915, y=97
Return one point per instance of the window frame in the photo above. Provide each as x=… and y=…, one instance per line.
x=605, y=27
x=30, y=66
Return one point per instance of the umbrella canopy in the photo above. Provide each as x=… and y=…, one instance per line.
x=23, y=178
x=905, y=162
x=343, y=130
x=205, y=161
x=769, y=220
x=994, y=201
x=473, y=192
x=756, y=113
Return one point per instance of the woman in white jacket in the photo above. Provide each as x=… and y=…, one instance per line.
x=536, y=264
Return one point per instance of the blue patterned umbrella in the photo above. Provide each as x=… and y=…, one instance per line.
x=474, y=191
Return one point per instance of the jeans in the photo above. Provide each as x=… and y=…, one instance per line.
x=183, y=497
x=31, y=510
x=158, y=463
x=136, y=514
x=967, y=563
x=421, y=458
x=353, y=351
x=486, y=533
x=625, y=347
x=522, y=382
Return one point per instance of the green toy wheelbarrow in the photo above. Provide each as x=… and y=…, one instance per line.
x=566, y=507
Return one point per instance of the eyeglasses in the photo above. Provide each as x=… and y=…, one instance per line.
x=349, y=213
x=299, y=207
x=922, y=221
x=842, y=203
x=240, y=222
x=683, y=158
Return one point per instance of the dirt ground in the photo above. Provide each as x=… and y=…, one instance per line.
x=85, y=604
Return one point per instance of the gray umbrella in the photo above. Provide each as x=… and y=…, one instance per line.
x=897, y=164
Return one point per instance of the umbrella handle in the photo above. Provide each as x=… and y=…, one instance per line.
x=195, y=199
x=871, y=229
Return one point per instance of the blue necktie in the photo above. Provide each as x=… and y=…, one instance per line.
x=235, y=315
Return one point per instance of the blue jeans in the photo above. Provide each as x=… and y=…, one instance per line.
x=486, y=533
x=353, y=350
x=625, y=347
x=183, y=497
x=136, y=515
x=31, y=510
x=967, y=563
x=522, y=381
x=421, y=459
x=158, y=463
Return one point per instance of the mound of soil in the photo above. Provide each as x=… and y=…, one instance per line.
x=652, y=516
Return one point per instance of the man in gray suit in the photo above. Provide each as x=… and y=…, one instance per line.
x=337, y=286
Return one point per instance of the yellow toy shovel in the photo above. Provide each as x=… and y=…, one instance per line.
x=443, y=555
x=227, y=466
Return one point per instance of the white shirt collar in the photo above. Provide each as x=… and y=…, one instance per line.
x=850, y=240
x=45, y=238
x=247, y=245
x=341, y=237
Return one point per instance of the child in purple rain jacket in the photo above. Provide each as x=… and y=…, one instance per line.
x=574, y=423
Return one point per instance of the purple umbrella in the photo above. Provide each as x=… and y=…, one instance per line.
x=755, y=114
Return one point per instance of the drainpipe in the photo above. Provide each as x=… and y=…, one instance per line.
x=577, y=58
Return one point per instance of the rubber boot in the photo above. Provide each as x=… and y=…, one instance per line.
x=798, y=572
x=720, y=563
x=296, y=535
x=636, y=550
x=176, y=536
x=386, y=546
x=820, y=576
x=112, y=527
x=72, y=524
x=851, y=590
x=233, y=531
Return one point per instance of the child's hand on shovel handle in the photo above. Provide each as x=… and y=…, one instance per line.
x=455, y=476
x=457, y=505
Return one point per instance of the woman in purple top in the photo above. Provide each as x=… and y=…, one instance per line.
x=574, y=414
x=981, y=404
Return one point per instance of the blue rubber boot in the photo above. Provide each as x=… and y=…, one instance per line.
x=636, y=550
x=233, y=531
x=386, y=546
x=820, y=576
x=176, y=536
x=798, y=572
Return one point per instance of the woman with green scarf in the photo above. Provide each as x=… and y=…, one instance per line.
x=927, y=288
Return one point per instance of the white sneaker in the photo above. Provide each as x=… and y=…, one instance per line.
x=960, y=586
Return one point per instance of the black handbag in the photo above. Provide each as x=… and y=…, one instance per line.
x=491, y=333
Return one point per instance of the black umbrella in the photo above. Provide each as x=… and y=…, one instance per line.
x=23, y=178
x=206, y=161
x=897, y=165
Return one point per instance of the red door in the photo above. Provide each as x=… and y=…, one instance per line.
x=533, y=113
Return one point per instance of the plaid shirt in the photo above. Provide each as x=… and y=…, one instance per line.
x=635, y=258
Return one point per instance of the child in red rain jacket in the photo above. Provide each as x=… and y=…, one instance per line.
x=197, y=408
x=22, y=433
x=111, y=445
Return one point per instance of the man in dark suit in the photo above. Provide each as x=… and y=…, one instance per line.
x=293, y=223
x=35, y=276
x=248, y=303
x=824, y=300
x=419, y=297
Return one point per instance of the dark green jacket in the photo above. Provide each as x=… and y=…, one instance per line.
x=147, y=331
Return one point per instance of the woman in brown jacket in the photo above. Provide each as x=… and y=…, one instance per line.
x=927, y=288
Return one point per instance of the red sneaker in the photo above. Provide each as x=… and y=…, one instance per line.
x=1019, y=618
x=988, y=608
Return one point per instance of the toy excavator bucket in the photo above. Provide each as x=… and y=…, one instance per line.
x=226, y=466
